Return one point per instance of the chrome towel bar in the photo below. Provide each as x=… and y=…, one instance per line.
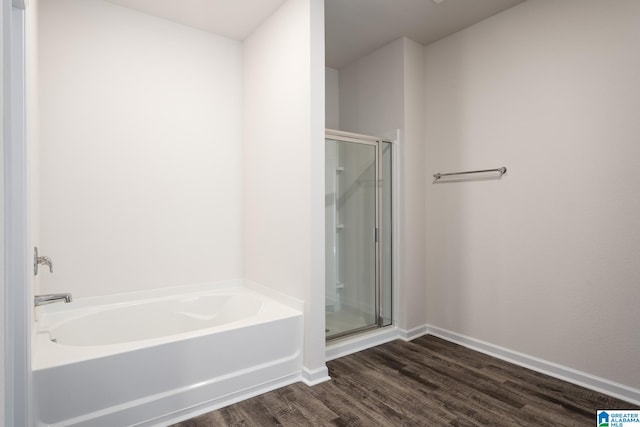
x=502, y=171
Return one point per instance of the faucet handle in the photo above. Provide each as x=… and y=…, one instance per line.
x=45, y=260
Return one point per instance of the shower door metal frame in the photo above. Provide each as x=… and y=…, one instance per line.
x=19, y=406
x=375, y=142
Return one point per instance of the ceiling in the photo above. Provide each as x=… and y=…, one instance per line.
x=235, y=19
x=353, y=28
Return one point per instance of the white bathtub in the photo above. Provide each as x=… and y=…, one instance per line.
x=157, y=357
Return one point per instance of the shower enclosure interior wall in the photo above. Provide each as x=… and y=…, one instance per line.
x=358, y=205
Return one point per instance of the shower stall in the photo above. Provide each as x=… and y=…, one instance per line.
x=358, y=204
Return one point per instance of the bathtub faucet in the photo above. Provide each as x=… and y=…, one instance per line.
x=51, y=298
x=37, y=260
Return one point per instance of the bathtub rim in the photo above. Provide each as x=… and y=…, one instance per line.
x=47, y=354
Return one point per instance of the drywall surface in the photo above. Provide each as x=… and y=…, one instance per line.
x=33, y=136
x=411, y=201
x=276, y=151
x=332, y=104
x=3, y=64
x=140, y=151
x=284, y=162
x=545, y=260
x=371, y=92
x=315, y=369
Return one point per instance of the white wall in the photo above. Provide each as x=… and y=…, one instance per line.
x=332, y=97
x=379, y=94
x=33, y=183
x=140, y=157
x=544, y=261
x=412, y=196
x=315, y=369
x=371, y=92
x=284, y=162
x=33, y=138
x=3, y=63
x=276, y=151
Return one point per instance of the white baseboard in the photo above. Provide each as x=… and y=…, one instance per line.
x=315, y=376
x=346, y=346
x=555, y=370
x=412, y=334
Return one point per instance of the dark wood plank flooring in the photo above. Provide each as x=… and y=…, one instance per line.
x=426, y=382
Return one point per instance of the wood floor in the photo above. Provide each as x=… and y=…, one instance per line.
x=426, y=382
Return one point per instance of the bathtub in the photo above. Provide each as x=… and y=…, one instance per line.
x=158, y=357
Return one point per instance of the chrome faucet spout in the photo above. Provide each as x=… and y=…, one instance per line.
x=51, y=298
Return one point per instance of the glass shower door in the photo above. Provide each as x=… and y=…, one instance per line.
x=353, y=298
